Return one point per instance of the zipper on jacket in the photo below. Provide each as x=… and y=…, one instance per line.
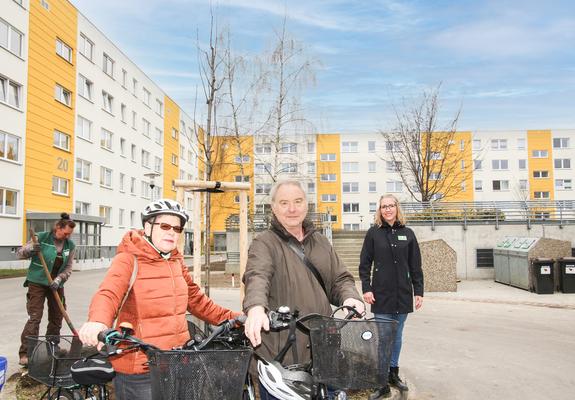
x=173, y=285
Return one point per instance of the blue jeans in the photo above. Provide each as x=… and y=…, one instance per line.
x=396, y=349
x=131, y=386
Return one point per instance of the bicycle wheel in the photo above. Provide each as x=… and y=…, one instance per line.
x=66, y=394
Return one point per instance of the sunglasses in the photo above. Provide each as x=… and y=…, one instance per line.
x=167, y=227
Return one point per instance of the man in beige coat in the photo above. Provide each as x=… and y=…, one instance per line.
x=276, y=275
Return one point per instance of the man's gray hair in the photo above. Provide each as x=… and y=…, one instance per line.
x=281, y=183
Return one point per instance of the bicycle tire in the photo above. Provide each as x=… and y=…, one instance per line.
x=66, y=394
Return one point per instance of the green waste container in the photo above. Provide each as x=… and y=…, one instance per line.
x=567, y=274
x=542, y=275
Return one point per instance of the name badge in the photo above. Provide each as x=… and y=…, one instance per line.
x=402, y=237
x=66, y=253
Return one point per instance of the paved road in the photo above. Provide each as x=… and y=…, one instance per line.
x=487, y=341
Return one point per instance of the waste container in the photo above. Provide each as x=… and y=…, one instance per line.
x=567, y=274
x=542, y=275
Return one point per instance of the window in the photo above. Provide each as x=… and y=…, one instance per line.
x=562, y=163
x=10, y=38
x=290, y=148
x=540, y=174
x=522, y=184
x=372, y=207
x=329, y=198
x=462, y=145
x=85, y=87
x=158, y=137
x=9, y=147
x=61, y=140
x=435, y=155
x=237, y=199
x=311, y=168
x=264, y=148
x=10, y=92
x=327, y=178
x=60, y=185
x=392, y=166
x=522, y=164
x=372, y=187
x=174, y=159
x=350, y=187
x=499, y=144
x=560, y=143
x=539, y=154
x=108, y=66
x=182, y=152
x=106, y=139
x=288, y=168
x=327, y=157
x=311, y=187
x=82, y=208
x=499, y=164
x=350, y=207
x=145, y=190
x=541, y=195
x=392, y=145
x=263, y=208
x=145, y=159
x=84, y=128
x=261, y=168
x=311, y=147
x=476, y=144
x=371, y=146
x=146, y=127
x=521, y=144
x=106, y=177
x=121, y=217
x=349, y=147
x=477, y=164
x=147, y=97
x=106, y=213
x=122, y=183
x=462, y=165
x=134, y=119
x=133, y=153
x=371, y=166
x=174, y=133
x=108, y=102
x=484, y=258
x=435, y=176
x=394, y=186
x=134, y=86
x=478, y=186
x=132, y=218
x=63, y=95
x=350, y=167
x=158, y=164
x=563, y=184
x=63, y=50
x=500, y=185
x=8, y=201
x=242, y=178
x=242, y=159
x=86, y=47
x=263, y=188
x=159, y=108
x=133, y=185
x=83, y=168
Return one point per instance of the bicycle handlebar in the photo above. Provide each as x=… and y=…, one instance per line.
x=223, y=328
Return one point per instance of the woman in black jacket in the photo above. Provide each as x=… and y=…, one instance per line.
x=395, y=278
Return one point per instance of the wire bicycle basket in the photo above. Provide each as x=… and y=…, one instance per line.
x=351, y=354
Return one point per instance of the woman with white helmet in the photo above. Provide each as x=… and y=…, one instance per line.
x=155, y=303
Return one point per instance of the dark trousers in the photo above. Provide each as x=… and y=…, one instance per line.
x=35, y=298
x=132, y=387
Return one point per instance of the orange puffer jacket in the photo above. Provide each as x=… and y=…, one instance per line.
x=156, y=306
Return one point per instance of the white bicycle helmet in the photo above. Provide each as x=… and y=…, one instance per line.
x=284, y=383
x=164, y=206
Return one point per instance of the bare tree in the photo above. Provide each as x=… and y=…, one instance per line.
x=429, y=159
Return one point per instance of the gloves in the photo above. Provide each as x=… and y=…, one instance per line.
x=56, y=283
x=36, y=248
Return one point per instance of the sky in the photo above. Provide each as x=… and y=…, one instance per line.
x=508, y=65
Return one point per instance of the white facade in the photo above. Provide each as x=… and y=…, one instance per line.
x=13, y=84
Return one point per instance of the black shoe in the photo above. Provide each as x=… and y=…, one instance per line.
x=395, y=380
x=381, y=393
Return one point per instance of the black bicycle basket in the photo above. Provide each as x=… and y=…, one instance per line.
x=199, y=375
x=351, y=354
x=50, y=358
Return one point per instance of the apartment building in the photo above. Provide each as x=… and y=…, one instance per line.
x=82, y=128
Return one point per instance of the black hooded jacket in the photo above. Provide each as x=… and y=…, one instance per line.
x=396, y=275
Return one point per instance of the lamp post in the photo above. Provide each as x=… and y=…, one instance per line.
x=152, y=176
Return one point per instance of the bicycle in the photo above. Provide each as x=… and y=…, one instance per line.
x=344, y=356
x=212, y=368
x=50, y=360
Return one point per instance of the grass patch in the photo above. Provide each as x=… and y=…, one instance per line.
x=12, y=273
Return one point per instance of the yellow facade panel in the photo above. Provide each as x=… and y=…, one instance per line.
x=171, y=146
x=460, y=162
x=540, y=153
x=329, y=144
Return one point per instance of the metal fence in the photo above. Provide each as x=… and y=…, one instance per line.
x=86, y=252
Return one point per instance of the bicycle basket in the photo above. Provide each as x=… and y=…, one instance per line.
x=351, y=354
x=50, y=358
x=199, y=375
